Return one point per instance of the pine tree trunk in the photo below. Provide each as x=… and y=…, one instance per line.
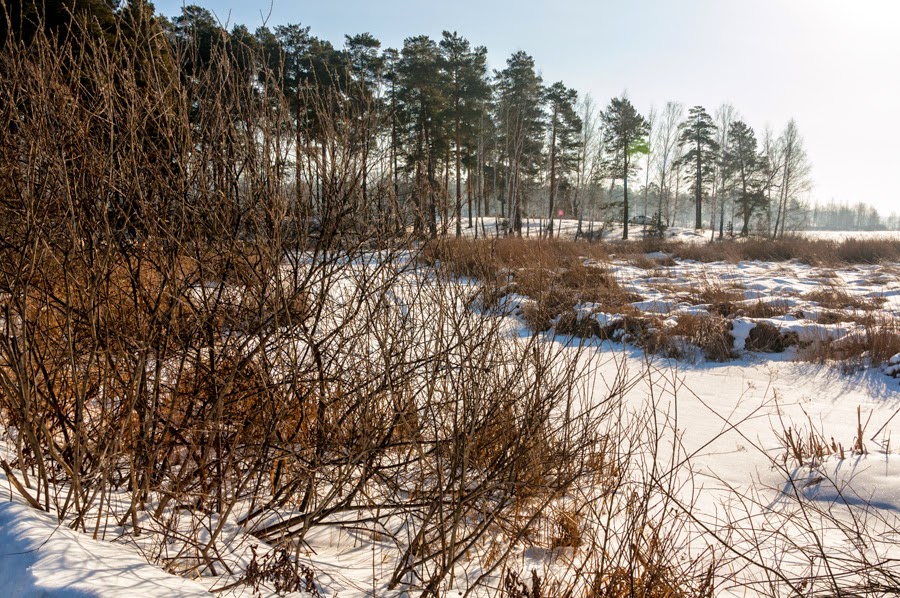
x=625, y=189
x=459, y=183
x=552, y=170
x=698, y=192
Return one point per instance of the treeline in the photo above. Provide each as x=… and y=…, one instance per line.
x=439, y=141
x=845, y=216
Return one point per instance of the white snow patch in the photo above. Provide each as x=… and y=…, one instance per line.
x=40, y=558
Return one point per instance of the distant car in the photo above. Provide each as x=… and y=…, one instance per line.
x=642, y=219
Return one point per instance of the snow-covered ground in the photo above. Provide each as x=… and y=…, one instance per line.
x=812, y=301
x=726, y=423
x=566, y=229
x=39, y=557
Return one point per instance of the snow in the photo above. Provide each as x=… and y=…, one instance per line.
x=655, y=306
x=740, y=330
x=38, y=557
x=843, y=235
x=893, y=366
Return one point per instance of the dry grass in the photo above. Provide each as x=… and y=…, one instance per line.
x=567, y=531
x=764, y=309
x=650, y=263
x=834, y=297
x=653, y=573
x=874, y=344
x=480, y=258
x=555, y=275
x=810, y=446
x=719, y=296
x=819, y=252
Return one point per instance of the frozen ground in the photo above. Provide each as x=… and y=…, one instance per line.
x=731, y=420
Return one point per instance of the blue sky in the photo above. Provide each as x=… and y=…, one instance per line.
x=833, y=65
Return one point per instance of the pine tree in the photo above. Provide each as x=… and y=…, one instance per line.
x=564, y=130
x=722, y=174
x=197, y=35
x=742, y=160
x=465, y=73
x=390, y=58
x=243, y=48
x=421, y=104
x=478, y=94
x=56, y=18
x=520, y=119
x=698, y=139
x=365, y=65
x=626, y=135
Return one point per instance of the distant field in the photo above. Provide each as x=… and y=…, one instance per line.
x=841, y=235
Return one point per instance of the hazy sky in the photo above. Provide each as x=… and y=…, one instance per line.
x=833, y=65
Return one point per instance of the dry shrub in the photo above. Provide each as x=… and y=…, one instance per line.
x=509, y=442
x=710, y=333
x=767, y=338
x=566, y=529
x=152, y=350
x=514, y=587
x=652, y=573
x=581, y=325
